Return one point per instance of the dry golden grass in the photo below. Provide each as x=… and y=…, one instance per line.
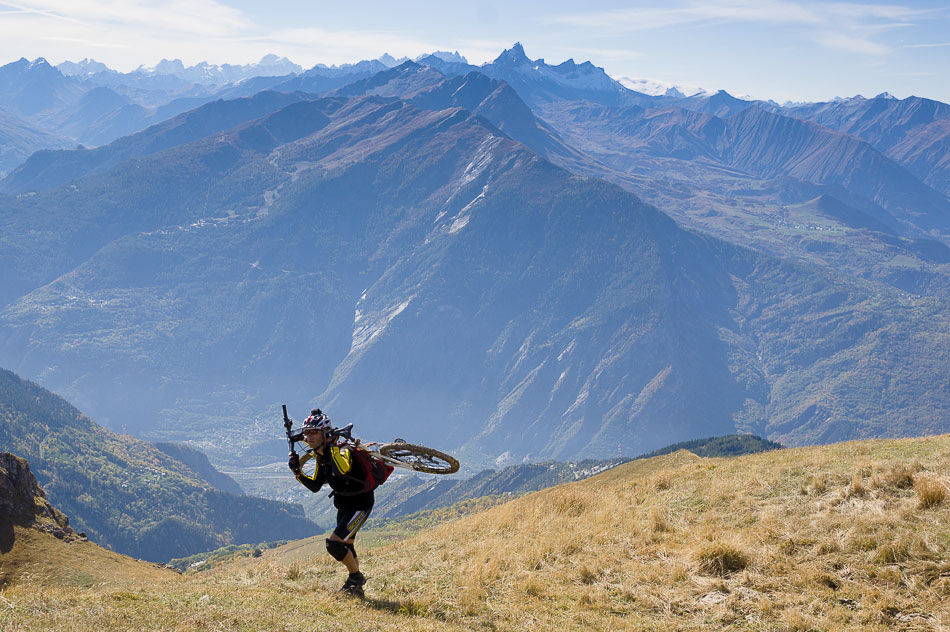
x=828, y=538
x=721, y=559
x=930, y=491
x=38, y=558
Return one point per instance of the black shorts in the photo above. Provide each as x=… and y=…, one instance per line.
x=349, y=521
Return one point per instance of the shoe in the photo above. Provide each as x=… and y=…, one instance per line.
x=354, y=585
x=353, y=591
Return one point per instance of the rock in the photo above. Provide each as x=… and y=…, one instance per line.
x=713, y=597
x=23, y=503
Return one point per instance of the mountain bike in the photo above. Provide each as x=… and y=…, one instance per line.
x=398, y=453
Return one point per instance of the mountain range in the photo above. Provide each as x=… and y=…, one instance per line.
x=514, y=259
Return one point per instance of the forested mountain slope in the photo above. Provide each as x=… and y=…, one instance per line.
x=125, y=493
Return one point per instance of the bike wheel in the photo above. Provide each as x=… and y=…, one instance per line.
x=420, y=458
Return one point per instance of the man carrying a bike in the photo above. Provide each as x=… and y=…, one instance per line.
x=336, y=466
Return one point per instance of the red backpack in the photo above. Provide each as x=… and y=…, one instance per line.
x=376, y=471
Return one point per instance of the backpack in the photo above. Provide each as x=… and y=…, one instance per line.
x=376, y=471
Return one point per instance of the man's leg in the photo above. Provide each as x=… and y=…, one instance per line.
x=349, y=560
x=340, y=544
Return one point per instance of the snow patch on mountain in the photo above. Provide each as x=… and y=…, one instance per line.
x=659, y=88
x=649, y=86
x=481, y=159
x=364, y=334
x=461, y=220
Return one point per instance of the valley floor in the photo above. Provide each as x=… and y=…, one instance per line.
x=849, y=536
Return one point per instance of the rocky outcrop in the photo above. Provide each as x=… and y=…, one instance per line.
x=23, y=503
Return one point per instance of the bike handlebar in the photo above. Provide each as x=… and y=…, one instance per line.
x=288, y=423
x=333, y=433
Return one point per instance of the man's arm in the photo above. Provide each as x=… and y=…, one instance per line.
x=313, y=483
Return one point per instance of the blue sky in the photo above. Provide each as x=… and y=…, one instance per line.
x=778, y=49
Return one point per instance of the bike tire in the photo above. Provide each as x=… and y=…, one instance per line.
x=420, y=458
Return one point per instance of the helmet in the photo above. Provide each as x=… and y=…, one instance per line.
x=316, y=421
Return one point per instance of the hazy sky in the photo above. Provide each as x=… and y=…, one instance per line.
x=778, y=49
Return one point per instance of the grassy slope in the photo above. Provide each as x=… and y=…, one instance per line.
x=39, y=559
x=832, y=537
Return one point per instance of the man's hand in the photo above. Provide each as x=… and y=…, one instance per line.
x=294, y=463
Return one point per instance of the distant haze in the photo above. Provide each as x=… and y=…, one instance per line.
x=785, y=50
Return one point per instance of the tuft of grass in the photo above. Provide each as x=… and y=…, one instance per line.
x=893, y=553
x=721, y=559
x=532, y=587
x=863, y=542
x=659, y=521
x=901, y=476
x=663, y=481
x=857, y=487
x=293, y=572
x=930, y=491
x=588, y=575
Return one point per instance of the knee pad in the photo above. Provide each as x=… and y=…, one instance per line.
x=337, y=549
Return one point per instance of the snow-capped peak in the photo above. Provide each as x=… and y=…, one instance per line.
x=454, y=58
x=391, y=62
x=656, y=87
x=646, y=86
x=85, y=67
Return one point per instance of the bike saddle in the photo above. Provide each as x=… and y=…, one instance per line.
x=345, y=430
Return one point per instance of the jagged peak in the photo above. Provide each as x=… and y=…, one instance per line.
x=388, y=60
x=514, y=54
x=85, y=67
x=453, y=58
x=887, y=95
x=169, y=66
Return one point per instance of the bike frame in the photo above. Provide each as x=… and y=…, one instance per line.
x=372, y=447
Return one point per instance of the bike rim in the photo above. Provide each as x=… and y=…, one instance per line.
x=414, y=459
